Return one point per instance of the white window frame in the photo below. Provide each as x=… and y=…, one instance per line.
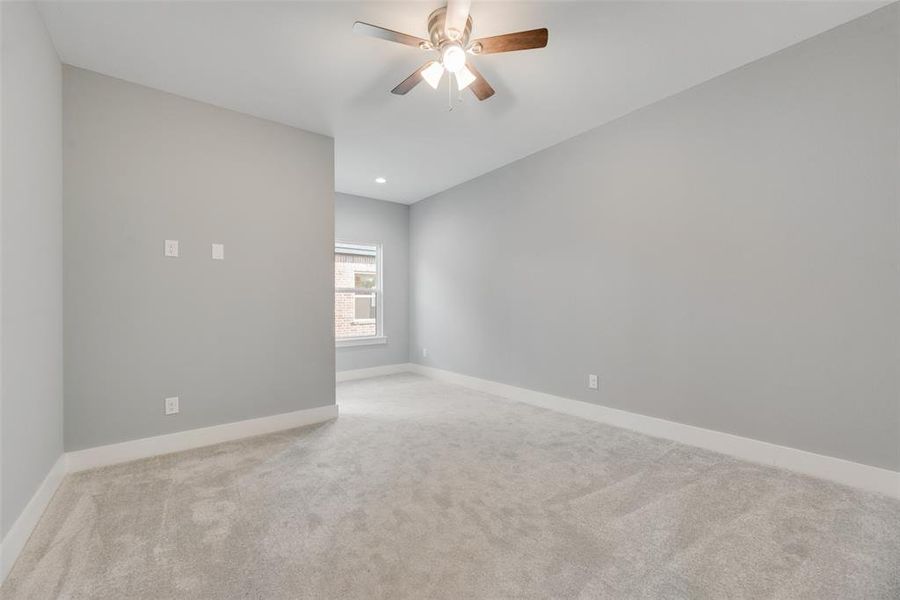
x=379, y=337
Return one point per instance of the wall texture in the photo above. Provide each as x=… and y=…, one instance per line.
x=245, y=337
x=31, y=395
x=726, y=258
x=358, y=219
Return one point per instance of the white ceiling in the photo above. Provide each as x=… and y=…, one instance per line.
x=298, y=63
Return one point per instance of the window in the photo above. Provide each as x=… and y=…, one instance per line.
x=358, y=298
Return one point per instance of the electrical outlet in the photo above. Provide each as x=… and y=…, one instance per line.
x=172, y=405
x=593, y=382
x=424, y=352
x=218, y=251
x=171, y=248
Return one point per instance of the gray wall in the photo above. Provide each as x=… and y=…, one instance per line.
x=727, y=257
x=31, y=394
x=359, y=219
x=245, y=337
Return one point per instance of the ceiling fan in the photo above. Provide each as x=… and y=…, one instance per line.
x=449, y=29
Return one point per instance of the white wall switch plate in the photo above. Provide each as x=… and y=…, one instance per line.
x=424, y=352
x=172, y=248
x=218, y=251
x=172, y=405
x=593, y=382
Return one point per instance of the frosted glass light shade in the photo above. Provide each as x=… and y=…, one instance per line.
x=454, y=58
x=432, y=74
x=464, y=78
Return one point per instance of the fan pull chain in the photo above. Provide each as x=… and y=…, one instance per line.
x=459, y=95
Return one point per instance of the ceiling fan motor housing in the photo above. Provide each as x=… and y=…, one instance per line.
x=438, y=36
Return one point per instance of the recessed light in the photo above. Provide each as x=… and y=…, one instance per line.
x=380, y=180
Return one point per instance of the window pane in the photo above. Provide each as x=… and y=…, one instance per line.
x=364, y=307
x=355, y=315
x=356, y=290
x=364, y=280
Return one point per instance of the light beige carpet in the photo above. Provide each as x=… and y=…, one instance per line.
x=425, y=490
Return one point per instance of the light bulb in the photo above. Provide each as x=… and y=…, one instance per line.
x=453, y=57
x=433, y=73
x=464, y=78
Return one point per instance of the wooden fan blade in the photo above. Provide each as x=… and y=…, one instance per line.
x=480, y=87
x=388, y=34
x=455, y=20
x=509, y=42
x=411, y=81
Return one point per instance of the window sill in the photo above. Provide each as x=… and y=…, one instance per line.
x=366, y=341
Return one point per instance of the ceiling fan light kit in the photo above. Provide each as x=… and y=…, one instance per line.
x=449, y=29
x=453, y=57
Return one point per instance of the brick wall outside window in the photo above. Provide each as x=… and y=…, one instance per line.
x=345, y=268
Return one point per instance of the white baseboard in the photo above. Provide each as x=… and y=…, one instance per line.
x=858, y=475
x=101, y=456
x=825, y=467
x=18, y=534
x=373, y=372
